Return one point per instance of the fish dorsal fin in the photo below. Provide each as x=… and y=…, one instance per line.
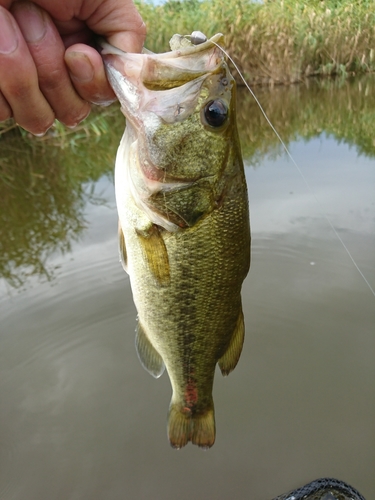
x=148, y=356
x=229, y=360
x=122, y=248
x=155, y=253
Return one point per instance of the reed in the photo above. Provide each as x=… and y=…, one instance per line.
x=278, y=41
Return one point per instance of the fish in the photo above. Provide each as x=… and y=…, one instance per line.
x=184, y=230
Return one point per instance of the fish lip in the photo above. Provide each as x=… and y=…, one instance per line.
x=106, y=48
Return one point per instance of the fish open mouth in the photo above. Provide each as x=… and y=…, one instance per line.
x=134, y=77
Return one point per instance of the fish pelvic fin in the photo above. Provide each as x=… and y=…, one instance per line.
x=185, y=426
x=229, y=360
x=148, y=356
x=122, y=248
x=155, y=253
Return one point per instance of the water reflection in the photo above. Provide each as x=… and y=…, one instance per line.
x=79, y=417
x=341, y=108
x=44, y=188
x=45, y=185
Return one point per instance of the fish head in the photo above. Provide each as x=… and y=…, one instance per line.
x=180, y=114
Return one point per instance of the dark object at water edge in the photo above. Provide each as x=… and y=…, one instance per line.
x=323, y=489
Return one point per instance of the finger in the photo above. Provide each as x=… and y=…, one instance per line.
x=5, y=111
x=87, y=73
x=121, y=23
x=47, y=50
x=19, y=79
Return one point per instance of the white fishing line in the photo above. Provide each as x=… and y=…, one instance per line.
x=199, y=39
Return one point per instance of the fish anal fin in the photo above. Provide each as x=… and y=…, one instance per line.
x=185, y=426
x=122, y=248
x=155, y=253
x=230, y=358
x=149, y=357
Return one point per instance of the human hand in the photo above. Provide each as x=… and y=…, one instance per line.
x=48, y=69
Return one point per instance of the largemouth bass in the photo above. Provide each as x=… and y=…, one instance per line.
x=183, y=221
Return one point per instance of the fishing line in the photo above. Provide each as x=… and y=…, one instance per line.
x=197, y=38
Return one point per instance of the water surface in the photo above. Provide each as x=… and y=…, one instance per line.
x=81, y=419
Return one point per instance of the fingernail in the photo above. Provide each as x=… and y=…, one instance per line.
x=80, y=66
x=80, y=119
x=31, y=21
x=8, y=33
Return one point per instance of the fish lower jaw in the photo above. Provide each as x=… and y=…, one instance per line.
x=157, y=186
x=156, y=179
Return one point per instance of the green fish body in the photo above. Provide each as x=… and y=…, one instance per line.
x=183, y=221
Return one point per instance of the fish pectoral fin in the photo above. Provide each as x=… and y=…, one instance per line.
x=155, y=253
x=230, y=358
x=148, y=356
x=122, y=248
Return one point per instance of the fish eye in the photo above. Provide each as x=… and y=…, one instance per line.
x=216, y=113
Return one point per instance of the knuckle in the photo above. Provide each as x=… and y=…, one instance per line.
x=51, y=81
x=20, y=91
x=69, y=108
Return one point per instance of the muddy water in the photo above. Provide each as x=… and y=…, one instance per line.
x=81, y=419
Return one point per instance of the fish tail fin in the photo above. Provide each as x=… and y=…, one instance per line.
x=185, y=426
x=203, y=429
x=178, y=426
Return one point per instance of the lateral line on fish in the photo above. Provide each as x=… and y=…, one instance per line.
x=322, y=211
